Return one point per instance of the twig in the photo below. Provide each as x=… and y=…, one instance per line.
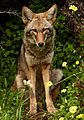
x=10, y=12
x=2, y=29
x=68, y=77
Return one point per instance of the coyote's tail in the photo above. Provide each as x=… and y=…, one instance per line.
x=56, y=76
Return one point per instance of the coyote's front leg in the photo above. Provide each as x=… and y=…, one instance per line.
x=33, y=102
x=49, y=102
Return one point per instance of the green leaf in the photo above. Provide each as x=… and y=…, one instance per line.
x=8, y=32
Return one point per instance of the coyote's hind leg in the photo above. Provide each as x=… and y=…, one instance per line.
x=55, y=77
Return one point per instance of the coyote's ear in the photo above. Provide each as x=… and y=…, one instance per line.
x=27, y=14
x=51, y=14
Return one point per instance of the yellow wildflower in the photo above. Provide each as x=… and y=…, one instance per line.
x=80, y=56
x=63, y=91
x=29, y=83
x=49, y=83
x=80, y=116
x=61, y=118
x=24, y=82
x=0, y=108
x=72, y=116
x=77, y=62
x=74, y=51
x=62, y=106
x=74, y=66
x=73, y=109
x=73, y=7
x=64, y=64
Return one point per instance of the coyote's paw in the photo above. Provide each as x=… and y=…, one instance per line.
x=33, y=109
x=51, y=109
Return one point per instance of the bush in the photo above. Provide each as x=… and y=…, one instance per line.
x=11, y=40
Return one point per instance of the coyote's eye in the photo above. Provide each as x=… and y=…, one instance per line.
x=34, y=30
x=47, y=33
x=46, y=30
x=31, y=32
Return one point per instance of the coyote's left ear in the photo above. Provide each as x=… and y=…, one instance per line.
x=51, y=14
x=27, y=15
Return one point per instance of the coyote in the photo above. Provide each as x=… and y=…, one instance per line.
x=36, y=55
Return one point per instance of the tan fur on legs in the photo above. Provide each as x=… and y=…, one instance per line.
x=33, y=102
x=46, y=78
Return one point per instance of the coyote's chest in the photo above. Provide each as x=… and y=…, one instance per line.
x=36, y=56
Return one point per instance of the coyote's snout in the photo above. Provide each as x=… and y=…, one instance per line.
x=37, y=53
x=40, y=39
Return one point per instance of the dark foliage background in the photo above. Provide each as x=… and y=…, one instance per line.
x=68, y=26
x=69, y=44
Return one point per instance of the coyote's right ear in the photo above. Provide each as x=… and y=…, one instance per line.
x=51, y=14
x=27, y=15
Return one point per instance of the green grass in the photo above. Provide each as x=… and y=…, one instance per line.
x=12, y=104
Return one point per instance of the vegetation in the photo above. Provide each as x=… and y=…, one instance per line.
x=68, y=57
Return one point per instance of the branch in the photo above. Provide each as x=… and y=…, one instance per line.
x=11, y=12
x=68, y=77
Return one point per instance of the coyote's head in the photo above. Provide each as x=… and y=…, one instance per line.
x=38, y=26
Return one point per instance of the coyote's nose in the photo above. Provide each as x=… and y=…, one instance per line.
x=40, y=44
